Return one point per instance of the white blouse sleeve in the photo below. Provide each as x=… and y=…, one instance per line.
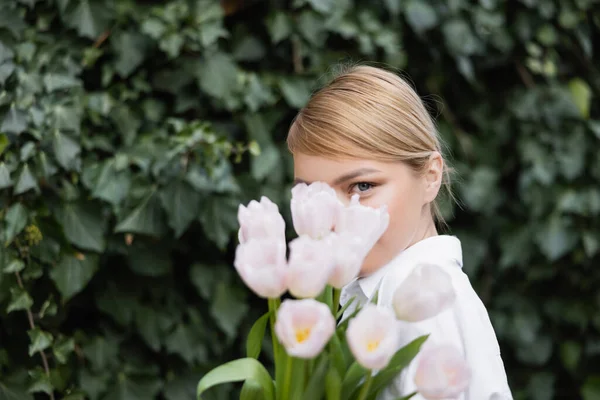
x=466, y=326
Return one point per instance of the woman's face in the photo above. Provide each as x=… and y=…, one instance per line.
x=406, y=194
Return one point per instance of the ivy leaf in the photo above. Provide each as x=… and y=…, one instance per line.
x=295, y=91
x=66, y=151
x=102, y=352
x=62, y=349
x=149, y=260
x=73, y=273
x=280, y=27
x=83, y=224
x=40, y=382
x=185, y=342
x=130, y=48
x=39, y=340
x=25, y=182
x=20, y=300
x=67, y=119
x=5, y=180
x=420, y=15
x=218, y=76
x=16, y=220
x=15, y=265
x=15, y=121
x=6, y=71
x=130, y=389
x=112, y=185
x=555, y=239
x=54, y=82
x=219, y=219
x=4, y=143
x=147, y=218
x=10, y=391
x=181, y=202
x=228, y=309
x=88, y=18
x=6, y=53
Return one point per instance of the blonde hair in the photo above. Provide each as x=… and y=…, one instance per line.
x=368, y=112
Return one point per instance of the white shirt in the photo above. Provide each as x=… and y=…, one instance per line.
x=466, y=325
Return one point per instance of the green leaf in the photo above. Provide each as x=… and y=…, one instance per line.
x=54, y=82
x=131, y=49
x=256, y=336
x=15, y=121
x=88, y=18
x=129, y=388
x=352, y=378
x=280, y=26
x=72, y=274
x=315, y=388
x=219, y=218
x=555, y=238
x=420, y=15
x=66, y=151
x=263, y=165
x=218, y=76
x=10, y=391
x=181, y=202
x=570, y=354
x=111, y=185
x=399, y=361
x=40, y=382
x=102, y=351
x=333, y=384
x=15, y=265
x=146, y=219
x=83, y=224
x=4, y=143
x=295, y=91
x=237, y=371
x=62, y=349
x=25, y=182
x=252, y=390
x=459, y=37
x=16, y=220
x=185, y=342
x=39, y=340
x=228, y=308
x=67, y=118
x=5, y=180
x=20, y=300
x=149, y=260
x=591, y=388
x=582, y=96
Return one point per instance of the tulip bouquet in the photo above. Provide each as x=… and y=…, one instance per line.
x=322, y=350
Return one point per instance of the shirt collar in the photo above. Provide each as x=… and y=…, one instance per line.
x=432, y=249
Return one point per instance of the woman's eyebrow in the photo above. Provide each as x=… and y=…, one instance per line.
x=354, y=174
x=298, y=180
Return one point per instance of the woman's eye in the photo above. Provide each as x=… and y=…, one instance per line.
x=362, y=187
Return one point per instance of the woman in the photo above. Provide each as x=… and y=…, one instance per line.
x=368, y=133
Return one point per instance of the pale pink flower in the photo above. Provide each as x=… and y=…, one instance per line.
x=262, y=266
x=373, y=336
x=315, y=208
x=442, y=373
x=363, y=222
x=304, y=327
x=347, y=256
x=426, y=292
x=260, y=220
x=309, y=267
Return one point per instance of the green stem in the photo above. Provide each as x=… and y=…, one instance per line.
x=336, y=301
x=273, y=309
x=288, y=378
x=364, y=392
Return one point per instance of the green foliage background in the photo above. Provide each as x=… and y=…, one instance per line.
x=131, y=130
